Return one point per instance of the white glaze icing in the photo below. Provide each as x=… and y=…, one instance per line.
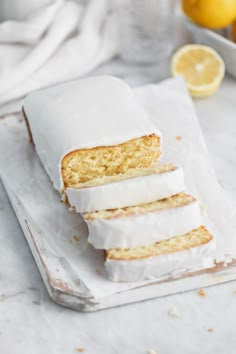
x=129, y=192
x=163, y=266
x=98, y=111
x=144, y=229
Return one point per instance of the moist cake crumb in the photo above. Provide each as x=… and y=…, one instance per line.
x=85, y=165
x=76, y=238
x=201, y=293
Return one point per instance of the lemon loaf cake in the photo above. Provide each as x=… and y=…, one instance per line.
x=89, y=129
x=135, y=187
x=144, y=224
x=192, y=251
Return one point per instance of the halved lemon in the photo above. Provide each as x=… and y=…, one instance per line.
x=202, y=67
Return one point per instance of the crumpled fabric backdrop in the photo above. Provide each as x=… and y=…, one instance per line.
x=61, y=41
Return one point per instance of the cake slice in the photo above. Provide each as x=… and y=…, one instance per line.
x=91, y=128
x=135, y=187
x=144, y=224
x=192, y=251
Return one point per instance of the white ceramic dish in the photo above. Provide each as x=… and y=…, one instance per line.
x=222, y=45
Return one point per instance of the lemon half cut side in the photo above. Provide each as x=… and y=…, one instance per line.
x=202, y=67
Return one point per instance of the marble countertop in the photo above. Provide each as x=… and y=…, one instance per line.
x=185, y=323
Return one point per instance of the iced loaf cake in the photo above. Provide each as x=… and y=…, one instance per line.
x=135, y=187
x=189, y=252
x=101, y=151
x=144, y=224
x=90, y=129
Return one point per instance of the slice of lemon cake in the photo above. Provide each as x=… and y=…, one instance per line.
x=192, y=251
x=144, y=224
x=89, y=129
x=135, y=187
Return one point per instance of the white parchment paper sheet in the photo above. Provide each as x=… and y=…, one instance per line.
x=171, y=109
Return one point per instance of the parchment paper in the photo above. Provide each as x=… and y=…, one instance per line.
x=171, y=109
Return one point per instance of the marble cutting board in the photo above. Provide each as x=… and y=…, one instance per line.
x=72, y=270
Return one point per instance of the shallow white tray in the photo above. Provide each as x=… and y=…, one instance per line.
x=225, y=47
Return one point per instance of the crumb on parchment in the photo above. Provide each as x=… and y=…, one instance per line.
x=172, y=312
x=80, y=350
x=201, y=293
x=178, y=137
x=152, y=351
x=210, y=330
x=76, y=238
x=203, y=207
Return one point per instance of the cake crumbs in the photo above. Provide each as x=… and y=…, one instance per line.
x=76, y=238
x=80, y=350
x=210, y=330
x=234, y=292
x=178, y=137
x=152, y=351
x=203, y=207
x=201, y=293
x=172, y=312
x=98, y=271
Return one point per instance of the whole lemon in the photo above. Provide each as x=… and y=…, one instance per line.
x=210, y=13
x=233, y=32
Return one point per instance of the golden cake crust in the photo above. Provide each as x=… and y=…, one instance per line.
x=175, y=201
x=157, y=169
x=195, y=238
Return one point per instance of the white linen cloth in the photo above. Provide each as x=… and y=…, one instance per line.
x=59, y=42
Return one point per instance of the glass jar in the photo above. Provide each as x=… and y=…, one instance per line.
x=147, y=30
